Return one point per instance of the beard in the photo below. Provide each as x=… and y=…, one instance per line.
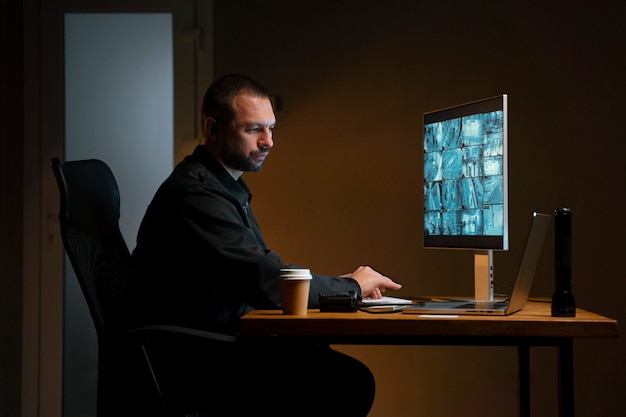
x=246, y=163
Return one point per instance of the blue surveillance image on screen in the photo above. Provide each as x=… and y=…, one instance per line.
x=465, y=176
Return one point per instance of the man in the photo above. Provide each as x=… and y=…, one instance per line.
x=201, y=261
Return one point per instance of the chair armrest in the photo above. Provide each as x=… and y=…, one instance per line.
x=149, y=338
x=187, y=331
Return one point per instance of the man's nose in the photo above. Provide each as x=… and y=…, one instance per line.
x=266, y=138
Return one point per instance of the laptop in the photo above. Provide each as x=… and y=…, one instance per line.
x=521, y=287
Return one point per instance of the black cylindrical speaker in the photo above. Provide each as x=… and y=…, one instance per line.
x=563, y=303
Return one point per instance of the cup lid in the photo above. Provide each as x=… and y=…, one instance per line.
x=296, y=277
x=296, y=270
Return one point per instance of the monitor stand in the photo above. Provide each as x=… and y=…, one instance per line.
x=483, y=275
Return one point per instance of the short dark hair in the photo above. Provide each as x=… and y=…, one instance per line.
x=218, y=99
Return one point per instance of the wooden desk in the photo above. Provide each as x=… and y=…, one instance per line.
x=533, y=326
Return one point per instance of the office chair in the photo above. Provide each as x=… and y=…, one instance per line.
x=89, y=219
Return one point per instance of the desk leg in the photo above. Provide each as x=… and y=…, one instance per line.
x=566, y=378
x=523, y=352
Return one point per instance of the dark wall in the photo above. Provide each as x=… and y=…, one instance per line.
x=343, y=184
x=11, y=132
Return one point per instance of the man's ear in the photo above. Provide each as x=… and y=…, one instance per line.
x=209, y=128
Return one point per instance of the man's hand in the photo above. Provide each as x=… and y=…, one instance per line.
x=373, y=284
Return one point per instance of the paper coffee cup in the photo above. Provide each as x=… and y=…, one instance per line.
x=295, y=293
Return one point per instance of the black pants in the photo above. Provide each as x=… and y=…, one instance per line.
x=262, y=378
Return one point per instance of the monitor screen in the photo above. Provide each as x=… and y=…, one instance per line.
x=465, y=176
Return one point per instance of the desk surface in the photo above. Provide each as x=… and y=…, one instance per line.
x=534, y=321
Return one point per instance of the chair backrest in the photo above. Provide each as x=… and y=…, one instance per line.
x=89, y=218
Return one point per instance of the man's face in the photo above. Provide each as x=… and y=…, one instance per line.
x=244, y=143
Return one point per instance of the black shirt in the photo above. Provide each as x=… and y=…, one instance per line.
x=200, y=259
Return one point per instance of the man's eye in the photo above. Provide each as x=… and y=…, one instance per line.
x=259, y=129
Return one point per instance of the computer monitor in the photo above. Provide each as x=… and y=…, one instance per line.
x=466, y=183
